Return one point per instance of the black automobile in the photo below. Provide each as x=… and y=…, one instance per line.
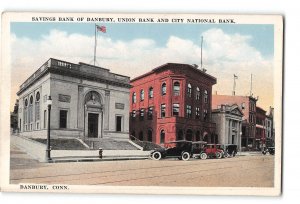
x=177, y=149
x=198, y=148
x=230, y=150
x=270, y=150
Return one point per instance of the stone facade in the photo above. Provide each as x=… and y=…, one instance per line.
x=248, y=106
x=270, y=132
x=228, y=119
x=88, y=102
x=172, y=102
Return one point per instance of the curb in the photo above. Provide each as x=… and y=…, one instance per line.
x=96, y=159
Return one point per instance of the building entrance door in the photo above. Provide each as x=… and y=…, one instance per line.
x=93, y=125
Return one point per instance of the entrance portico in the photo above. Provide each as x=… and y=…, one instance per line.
x=93, y=115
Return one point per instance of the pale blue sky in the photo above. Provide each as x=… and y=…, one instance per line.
x=135, y=48
x=262, y=35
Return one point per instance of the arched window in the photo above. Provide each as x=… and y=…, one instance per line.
x=151, y=92
x=142, y=95
x=37, y=109
x=162, y=136
x=149, y=135
x=197, y=93
x=30, y=109
x=189, y=135
x=176, y=88
x=25, y=113
x=189, y=90
x=134, y=97
x=141, y=136
x=205, y=96
x=180, y=135
x=163, y=89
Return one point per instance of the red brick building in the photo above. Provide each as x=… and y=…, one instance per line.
x=172, y=102
x=248, y=106
x=260, y=137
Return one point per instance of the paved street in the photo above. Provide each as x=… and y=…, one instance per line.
x=241, y=171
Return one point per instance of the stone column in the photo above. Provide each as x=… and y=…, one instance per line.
x=229, y=136
x=80, y=108
x=226, y=132
x=106, y=110
x=240, y=136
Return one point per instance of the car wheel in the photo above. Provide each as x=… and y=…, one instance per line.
x=218, y=155
x=156, y=156
x=264, y=152
x=185, y=156
x=203, y=156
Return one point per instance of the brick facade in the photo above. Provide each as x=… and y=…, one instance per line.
x=172, y=102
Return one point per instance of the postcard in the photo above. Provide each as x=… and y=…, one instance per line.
x=141, y=103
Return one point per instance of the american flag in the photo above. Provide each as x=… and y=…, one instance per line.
x=101, y=28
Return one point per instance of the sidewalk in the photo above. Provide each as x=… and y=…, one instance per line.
x=249, y=153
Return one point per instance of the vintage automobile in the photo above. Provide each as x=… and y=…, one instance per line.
x=212, y=151
x=230, y=150
x=270, y=150
x=198, y=148
x=178, y=149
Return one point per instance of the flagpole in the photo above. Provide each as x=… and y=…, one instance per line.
x=95, y=47
x=233, y=93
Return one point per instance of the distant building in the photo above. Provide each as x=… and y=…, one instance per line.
x=89, y=102
x=172, y=102
x=228, y=119
x=14, y=118
x=260, y=138
x=270, y=132
x=248, y=106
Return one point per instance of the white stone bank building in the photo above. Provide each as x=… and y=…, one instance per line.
x=228, y=119
x=88, y=102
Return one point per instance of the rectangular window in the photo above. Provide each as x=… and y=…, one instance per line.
x=63, y=114
x=163, y=110
x=176, y=109
x=142, y=113
x=133, y=115
x=119, y=123
x=150, y=113
x=205, y=115
x=197, y=113
x=188, y=111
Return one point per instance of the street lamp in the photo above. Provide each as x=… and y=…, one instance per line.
x=48, y=150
